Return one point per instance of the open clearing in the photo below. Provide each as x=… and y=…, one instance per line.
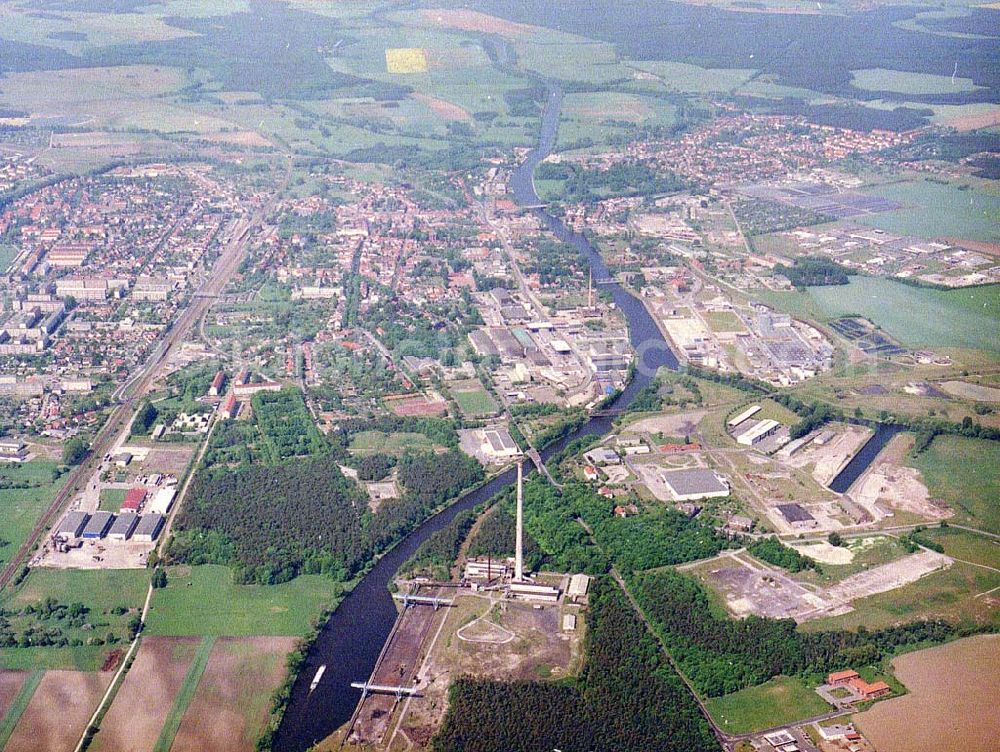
x=751, y=587
x=443, y=109
x=377, y=442
x=962, y=591
x=471, y=20
x=230, y=707
x=952, y=695
x=972, y=493
x=59, y=711
x=20, y=508
x=932, y=210
x=204, y=600
x=141, y=706
x=774, y=703
x=965, y=390
x=539, y=648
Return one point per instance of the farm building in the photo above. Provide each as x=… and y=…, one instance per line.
x=123, y=526
x=148, y=528
x=98, y=526
x=694, y=484
x=72, y=525
x=839, y=678
x=758, y=432
x=569, y=622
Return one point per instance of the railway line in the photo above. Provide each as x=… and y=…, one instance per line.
x=130, y=393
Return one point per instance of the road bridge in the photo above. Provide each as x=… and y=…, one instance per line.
x=421, y=600
x=536, y=460
x=384, y=689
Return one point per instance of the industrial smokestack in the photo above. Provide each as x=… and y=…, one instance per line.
x=519, y=533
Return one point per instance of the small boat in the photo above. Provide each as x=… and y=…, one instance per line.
x=319, y=675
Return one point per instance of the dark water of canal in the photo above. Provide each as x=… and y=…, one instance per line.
x=352, y=639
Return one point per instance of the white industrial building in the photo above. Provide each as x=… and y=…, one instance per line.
x=695, y=484
x=758, y=432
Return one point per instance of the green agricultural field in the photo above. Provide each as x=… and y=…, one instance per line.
x=974, y=492
x=932, y=210
x=18, y=705
x=111, y=499
x=185, y=695
x=478, y=402
x=599, y=116
x=20, y=508
x=377, y=442
x=204, y=600
x=774, y=703
x=917, y=317
x=907, y=82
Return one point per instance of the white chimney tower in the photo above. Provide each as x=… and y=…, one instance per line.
x=518, y=548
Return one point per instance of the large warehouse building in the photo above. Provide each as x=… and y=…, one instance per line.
x=695, y=484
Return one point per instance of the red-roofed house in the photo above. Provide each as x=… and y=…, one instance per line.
x=839, y=678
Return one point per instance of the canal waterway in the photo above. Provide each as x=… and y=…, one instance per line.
x=351, y=640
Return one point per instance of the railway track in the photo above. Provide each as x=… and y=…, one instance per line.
x=131, y=392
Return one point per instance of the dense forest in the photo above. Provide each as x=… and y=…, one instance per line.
x=435, y=555
x=274, y=522
x=722, y=655
x=627, y=699
x=657, y=536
